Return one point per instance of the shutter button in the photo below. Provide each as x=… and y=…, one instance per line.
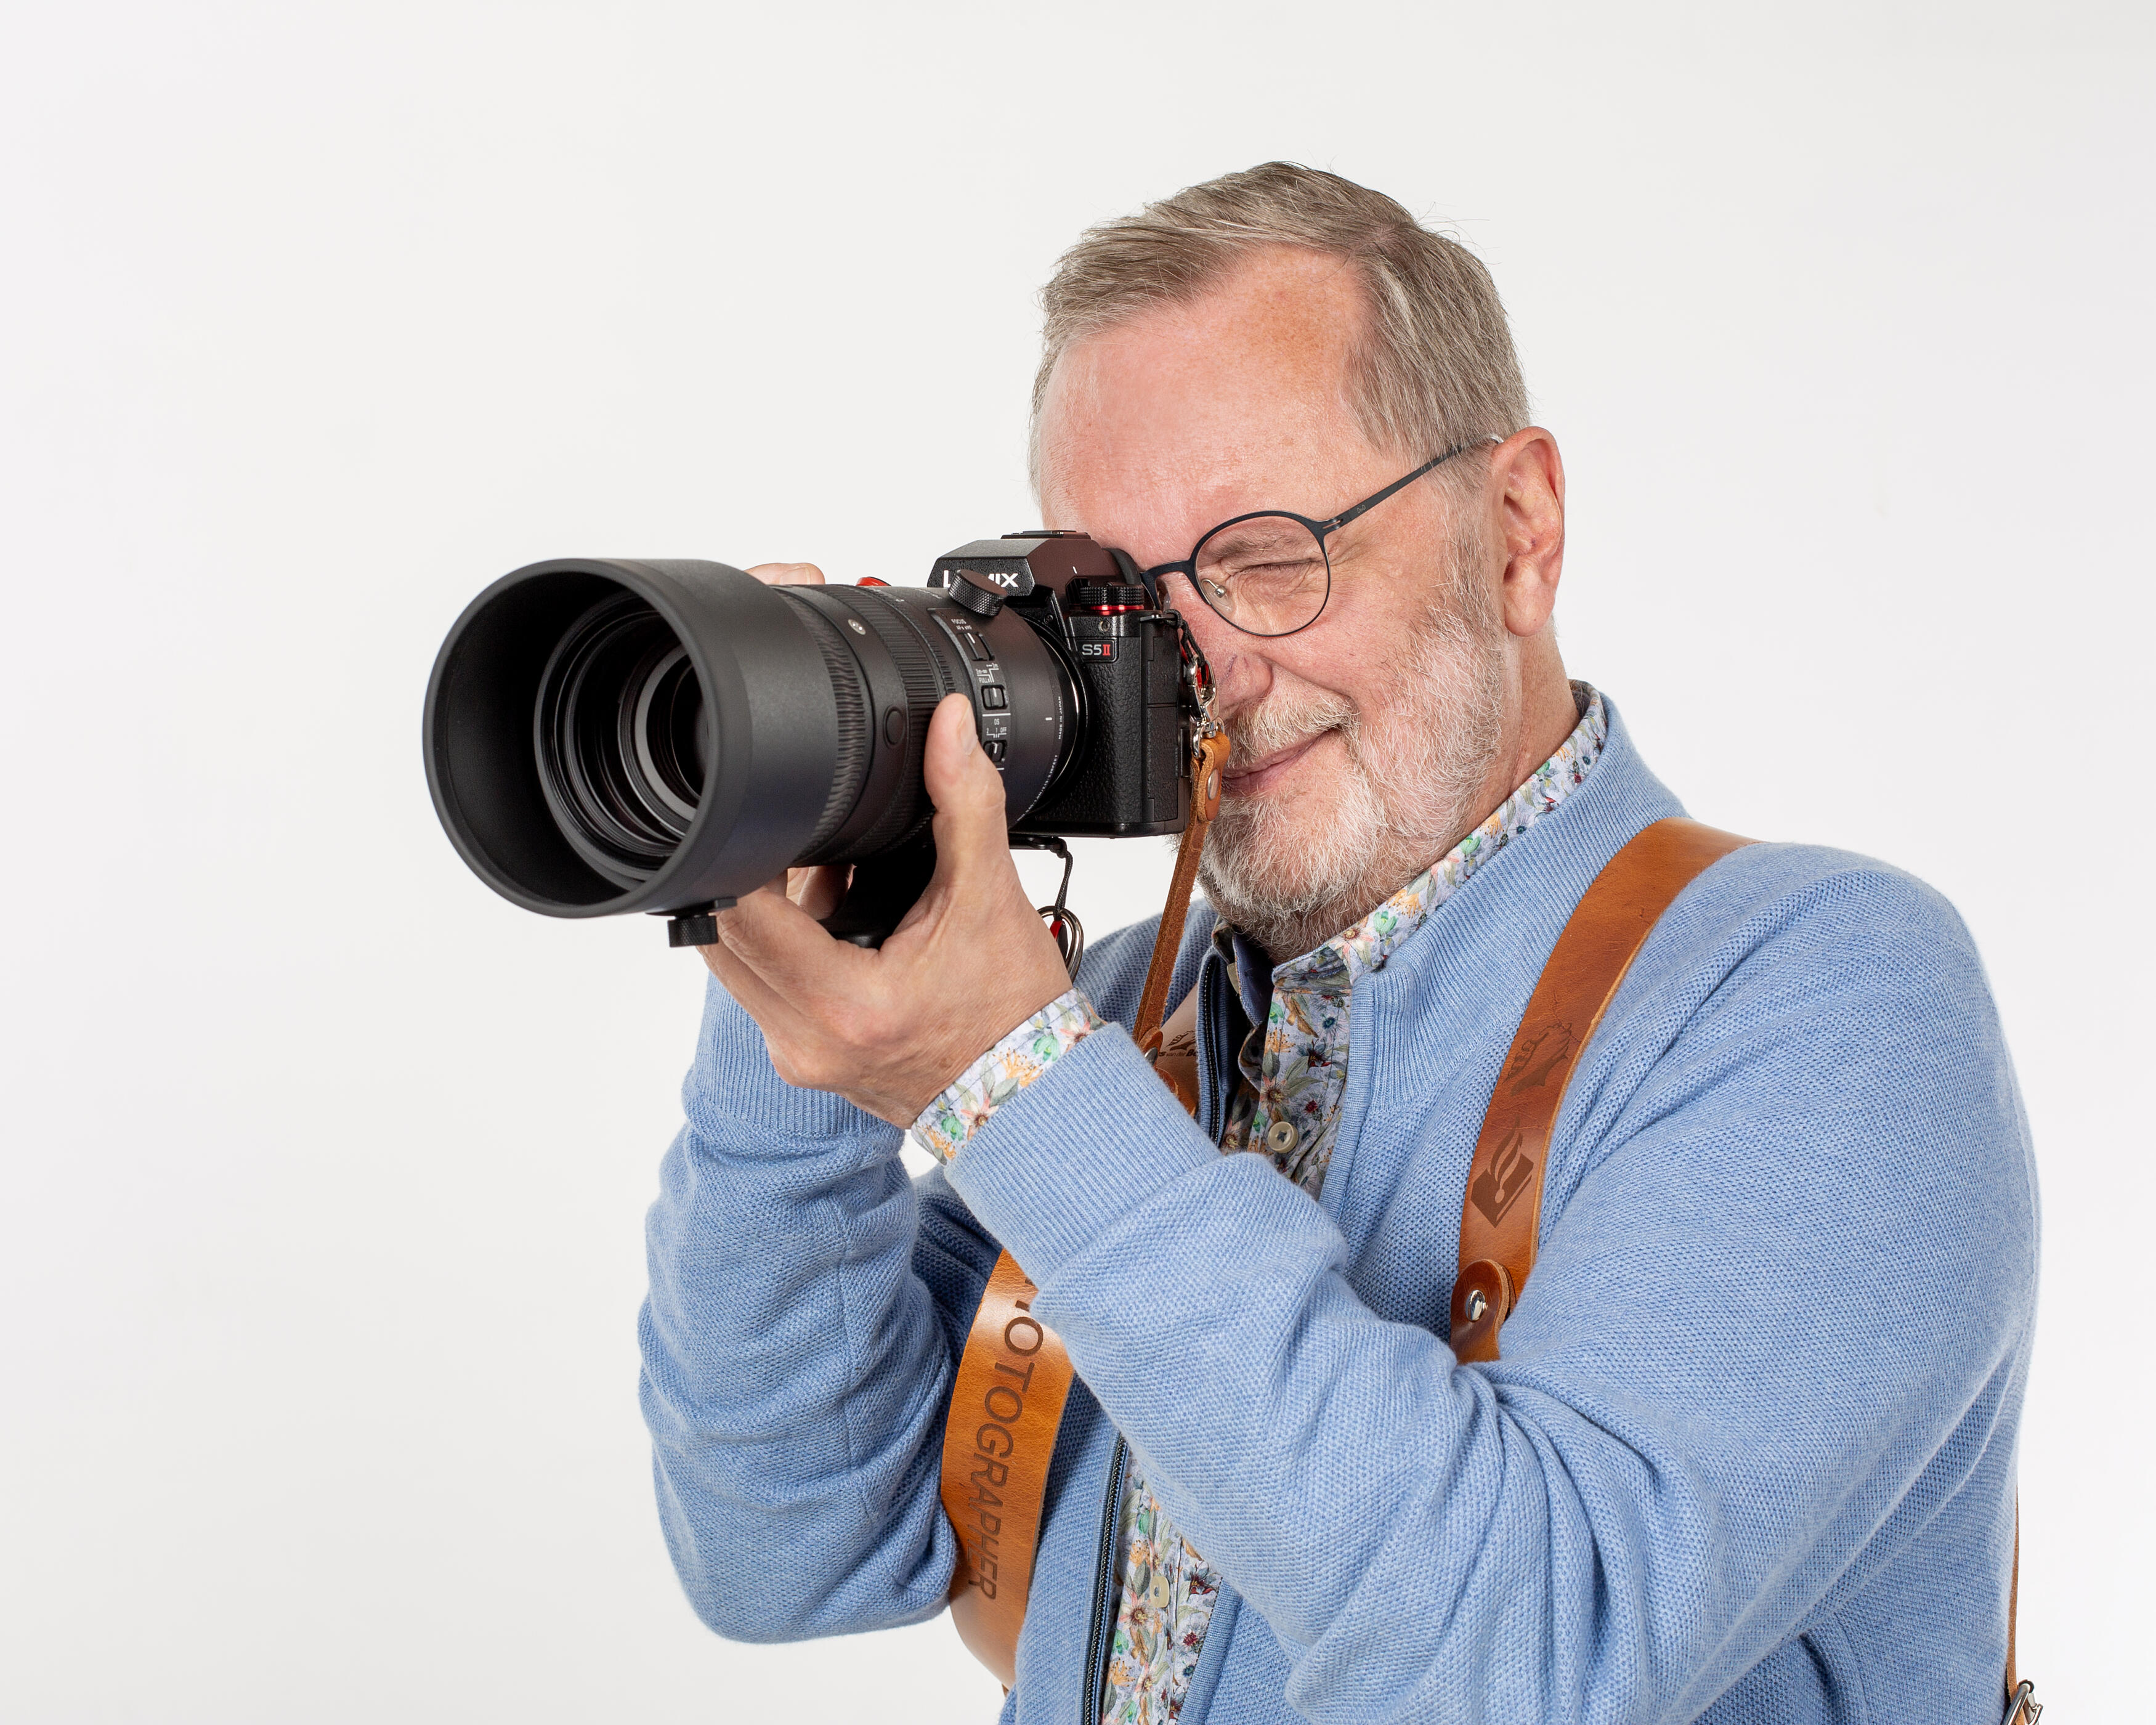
x=1279, y=1136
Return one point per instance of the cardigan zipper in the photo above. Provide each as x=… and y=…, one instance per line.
x=1099, y=1637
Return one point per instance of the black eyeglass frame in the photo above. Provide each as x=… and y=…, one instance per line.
x=1188, y=567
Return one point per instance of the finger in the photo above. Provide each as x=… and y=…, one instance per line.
x=970, y=825
x=795, y=1046
x=775, y=1015
x=788, y=574
x=818, y=890
x=790, y=950
x=808, y=888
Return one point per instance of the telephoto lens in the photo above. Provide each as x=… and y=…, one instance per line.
x=607, y=735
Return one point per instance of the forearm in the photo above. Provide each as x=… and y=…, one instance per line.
x=795, y=1365
x=806, y=1309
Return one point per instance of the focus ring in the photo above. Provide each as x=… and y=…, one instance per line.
x=849, y=770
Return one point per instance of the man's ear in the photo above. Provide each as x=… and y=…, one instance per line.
x=1526, y=499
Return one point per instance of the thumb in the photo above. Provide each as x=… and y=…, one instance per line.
x=966, y=788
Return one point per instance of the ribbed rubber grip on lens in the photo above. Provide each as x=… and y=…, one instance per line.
x=850, y=771
x=908, y=810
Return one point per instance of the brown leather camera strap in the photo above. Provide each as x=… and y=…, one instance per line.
x=2022, y=1706
x=1501, y=1214
x=2014, y=1606
x=1205, y=803
x=1006, y=1404
x=1014, y=1375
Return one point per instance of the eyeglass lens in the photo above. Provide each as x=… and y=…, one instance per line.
x=1268, y=575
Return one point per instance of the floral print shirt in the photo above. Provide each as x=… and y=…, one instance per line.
x=1294, y=1069
x=1002, y=1072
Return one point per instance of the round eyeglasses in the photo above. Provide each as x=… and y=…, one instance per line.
x=1268, y=573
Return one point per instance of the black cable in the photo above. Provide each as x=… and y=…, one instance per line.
x=1063, y=923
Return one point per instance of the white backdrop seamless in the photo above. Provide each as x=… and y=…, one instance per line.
x=320, y=1232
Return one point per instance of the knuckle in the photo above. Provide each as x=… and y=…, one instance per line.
x=805, y=1068
x=869, y=1026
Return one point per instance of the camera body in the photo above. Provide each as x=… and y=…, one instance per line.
x=1131, y=775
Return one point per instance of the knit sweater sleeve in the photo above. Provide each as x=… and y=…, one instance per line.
x=1786, y=1277
x=794, y=1365
x=807, y=1304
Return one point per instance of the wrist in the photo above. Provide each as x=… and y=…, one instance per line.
x=1016, y=1059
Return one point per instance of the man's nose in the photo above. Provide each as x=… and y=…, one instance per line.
x=1241, y=673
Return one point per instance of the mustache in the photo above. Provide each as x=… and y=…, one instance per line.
x=1280, y=722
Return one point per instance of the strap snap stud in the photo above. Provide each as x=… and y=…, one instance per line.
x=1477, y=1304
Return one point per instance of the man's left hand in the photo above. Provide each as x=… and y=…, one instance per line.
x=889, y=1029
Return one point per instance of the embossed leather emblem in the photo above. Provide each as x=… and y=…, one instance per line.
x=1534, y=1060
x=1498, y=1186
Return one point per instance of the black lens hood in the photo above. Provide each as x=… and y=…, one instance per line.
x=766, y=693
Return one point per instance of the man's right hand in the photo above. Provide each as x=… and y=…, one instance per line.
x=816, y=890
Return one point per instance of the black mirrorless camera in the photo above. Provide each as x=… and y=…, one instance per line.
x=608, y=734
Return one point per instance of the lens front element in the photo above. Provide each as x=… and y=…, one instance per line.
x=667, y=730
x=618, y=730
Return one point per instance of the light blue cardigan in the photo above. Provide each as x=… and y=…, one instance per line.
x=1749, y=1454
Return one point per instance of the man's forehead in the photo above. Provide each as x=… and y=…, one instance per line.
x=1199, y=407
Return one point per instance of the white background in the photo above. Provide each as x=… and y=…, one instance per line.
x=324, y=1169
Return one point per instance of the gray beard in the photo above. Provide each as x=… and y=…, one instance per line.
x=1290, y=878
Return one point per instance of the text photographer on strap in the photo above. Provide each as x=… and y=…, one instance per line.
x=1747, y=1452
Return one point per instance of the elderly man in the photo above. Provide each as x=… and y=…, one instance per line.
x=1749, y=1454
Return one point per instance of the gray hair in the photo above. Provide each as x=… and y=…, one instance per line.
x=1437, y=367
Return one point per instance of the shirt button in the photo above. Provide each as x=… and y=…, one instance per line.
x=1279, y=1136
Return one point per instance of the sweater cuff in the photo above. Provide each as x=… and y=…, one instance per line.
x=1018, y=1059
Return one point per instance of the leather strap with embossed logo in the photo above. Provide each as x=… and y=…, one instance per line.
x=1502, y=1211
x=1014, y=1376
x=1006, y=1404
x=1500, y=1215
